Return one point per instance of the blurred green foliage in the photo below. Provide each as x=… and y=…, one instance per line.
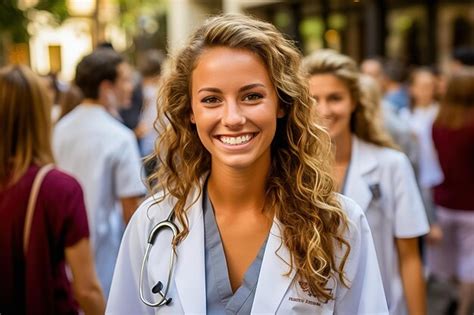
x=133, y=13
x=14, y=20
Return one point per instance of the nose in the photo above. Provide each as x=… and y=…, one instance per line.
x=232, y=115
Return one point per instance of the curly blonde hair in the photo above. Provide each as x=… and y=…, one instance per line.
x=299, y=187
x=365, y=119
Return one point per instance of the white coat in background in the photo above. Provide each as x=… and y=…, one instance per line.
x=102, y=154
x=382, y=182
x=276, y=292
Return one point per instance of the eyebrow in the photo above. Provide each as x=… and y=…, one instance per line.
x=242, y=89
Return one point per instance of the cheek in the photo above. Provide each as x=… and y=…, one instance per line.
x=202, y=125
x=202, y=136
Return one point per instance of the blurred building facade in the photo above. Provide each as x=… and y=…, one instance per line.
x=419, y=32
x=58, y=48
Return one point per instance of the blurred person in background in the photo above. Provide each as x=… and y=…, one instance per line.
x=373, y=67
x=51, y=84
x=420, y=116
x=379, y=178
x=128, y=113
x=461, y=57
x=397, y=127
x=453, y=136
x=393, y=84
x=149, y=65
x=69, y=100
x=102, y=154
x=33, y=257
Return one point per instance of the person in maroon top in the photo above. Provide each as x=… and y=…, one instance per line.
x=453, y=137
x=36, y=281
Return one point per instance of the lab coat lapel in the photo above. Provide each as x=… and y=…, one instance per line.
x=190, y=265
x=362, y=163
x=273, y=281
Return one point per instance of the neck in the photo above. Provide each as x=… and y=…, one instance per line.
x=93, y=101
x=392, y=86
x=240, y=191
x=343, y=147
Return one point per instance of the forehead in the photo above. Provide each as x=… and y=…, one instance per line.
x=371, y=66
x=327, y=83
x=220, y=65
x=423, y=76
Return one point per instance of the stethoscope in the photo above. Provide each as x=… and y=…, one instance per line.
x=158, y=288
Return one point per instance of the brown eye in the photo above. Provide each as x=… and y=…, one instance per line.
x=334, y=98
x=253, y=97
x=210, y=100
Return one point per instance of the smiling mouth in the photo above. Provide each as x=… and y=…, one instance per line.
x=239, y=140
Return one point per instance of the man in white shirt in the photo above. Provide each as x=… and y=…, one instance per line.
x=102, y=154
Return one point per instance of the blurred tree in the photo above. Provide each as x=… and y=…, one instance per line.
x=14, y=19
x=144, y=22
x=133, y=14
x=13, y=22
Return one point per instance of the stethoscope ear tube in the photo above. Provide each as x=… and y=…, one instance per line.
x=167, y=224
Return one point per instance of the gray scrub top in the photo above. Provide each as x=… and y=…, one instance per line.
x=219, y=296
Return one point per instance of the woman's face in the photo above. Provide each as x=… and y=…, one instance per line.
x=334, y=103
x=234, y=107
x=423, y=88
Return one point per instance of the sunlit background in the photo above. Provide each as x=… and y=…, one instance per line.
x=51, y=36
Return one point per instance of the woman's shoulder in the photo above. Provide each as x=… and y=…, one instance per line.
x=353, y=211
x=58, y=181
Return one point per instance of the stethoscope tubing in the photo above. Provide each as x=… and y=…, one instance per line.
x=167, y=224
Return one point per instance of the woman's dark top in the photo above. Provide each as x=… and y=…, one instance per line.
x=38, y=284
x=455, y=149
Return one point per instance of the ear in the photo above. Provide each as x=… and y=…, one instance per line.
x=191, y=118
x=105, y=85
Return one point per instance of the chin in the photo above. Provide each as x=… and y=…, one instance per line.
x=239, y=162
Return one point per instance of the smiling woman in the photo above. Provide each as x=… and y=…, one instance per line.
x=379, y=178
x=244, y=179
x=235, y=118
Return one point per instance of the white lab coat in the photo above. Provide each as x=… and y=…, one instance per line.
x=276, y=292
x=102, y=155
x=383, y=183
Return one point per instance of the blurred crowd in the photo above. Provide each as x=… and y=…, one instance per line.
x=99, y=129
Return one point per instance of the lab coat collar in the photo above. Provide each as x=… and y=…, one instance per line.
x=274, y=280
x=190, y=262
x=358, y=182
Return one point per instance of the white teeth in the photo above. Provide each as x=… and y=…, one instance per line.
x=236, y=140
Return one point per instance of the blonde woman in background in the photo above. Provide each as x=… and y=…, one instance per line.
x=247, y=176
x=379, y=178
x=34, y=279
